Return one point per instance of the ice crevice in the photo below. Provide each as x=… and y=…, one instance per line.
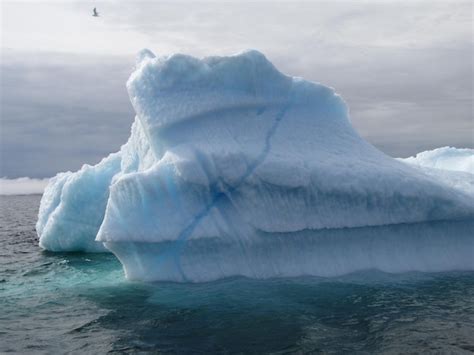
x=221, y=193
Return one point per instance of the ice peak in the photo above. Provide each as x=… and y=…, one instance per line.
x=170, y=89
x=143, y=55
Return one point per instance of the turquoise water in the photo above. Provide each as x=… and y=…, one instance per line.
x=81, y=303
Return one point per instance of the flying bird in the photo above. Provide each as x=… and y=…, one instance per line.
x=95, y=13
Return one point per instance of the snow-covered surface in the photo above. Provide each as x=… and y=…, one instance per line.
x=446, y=158
x=233, y=168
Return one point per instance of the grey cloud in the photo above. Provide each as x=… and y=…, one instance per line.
x=405, y=70
x=58, y=115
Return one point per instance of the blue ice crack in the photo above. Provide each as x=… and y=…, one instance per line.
x=218, y=195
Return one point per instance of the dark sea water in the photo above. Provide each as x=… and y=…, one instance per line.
x=80, y=303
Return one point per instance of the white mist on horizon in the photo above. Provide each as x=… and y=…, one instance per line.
x=22, y=186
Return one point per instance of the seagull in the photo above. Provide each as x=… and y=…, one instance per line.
x=95, y=13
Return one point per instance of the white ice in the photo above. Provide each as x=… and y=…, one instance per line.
x=446, y=158
x=233, y=168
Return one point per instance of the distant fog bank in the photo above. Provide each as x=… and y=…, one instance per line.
x=22, y=186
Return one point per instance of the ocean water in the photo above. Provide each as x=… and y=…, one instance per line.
x=81, y=303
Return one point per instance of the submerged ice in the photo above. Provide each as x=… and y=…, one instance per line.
x=233, y=168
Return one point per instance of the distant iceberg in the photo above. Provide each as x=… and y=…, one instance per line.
x=453, y=167
x=233, y=168
x=446, y=158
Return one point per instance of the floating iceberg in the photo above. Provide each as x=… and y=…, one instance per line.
x=446, y=158
x=452, y=166
x=233, y=168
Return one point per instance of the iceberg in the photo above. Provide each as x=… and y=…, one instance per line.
x=446, y=158
x=452, y=166
x=235, y=169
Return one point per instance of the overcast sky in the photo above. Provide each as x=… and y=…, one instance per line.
x=404, y=68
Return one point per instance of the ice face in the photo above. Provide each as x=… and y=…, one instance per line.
x=73, y=206
x=427, y=247
x=231, y=159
